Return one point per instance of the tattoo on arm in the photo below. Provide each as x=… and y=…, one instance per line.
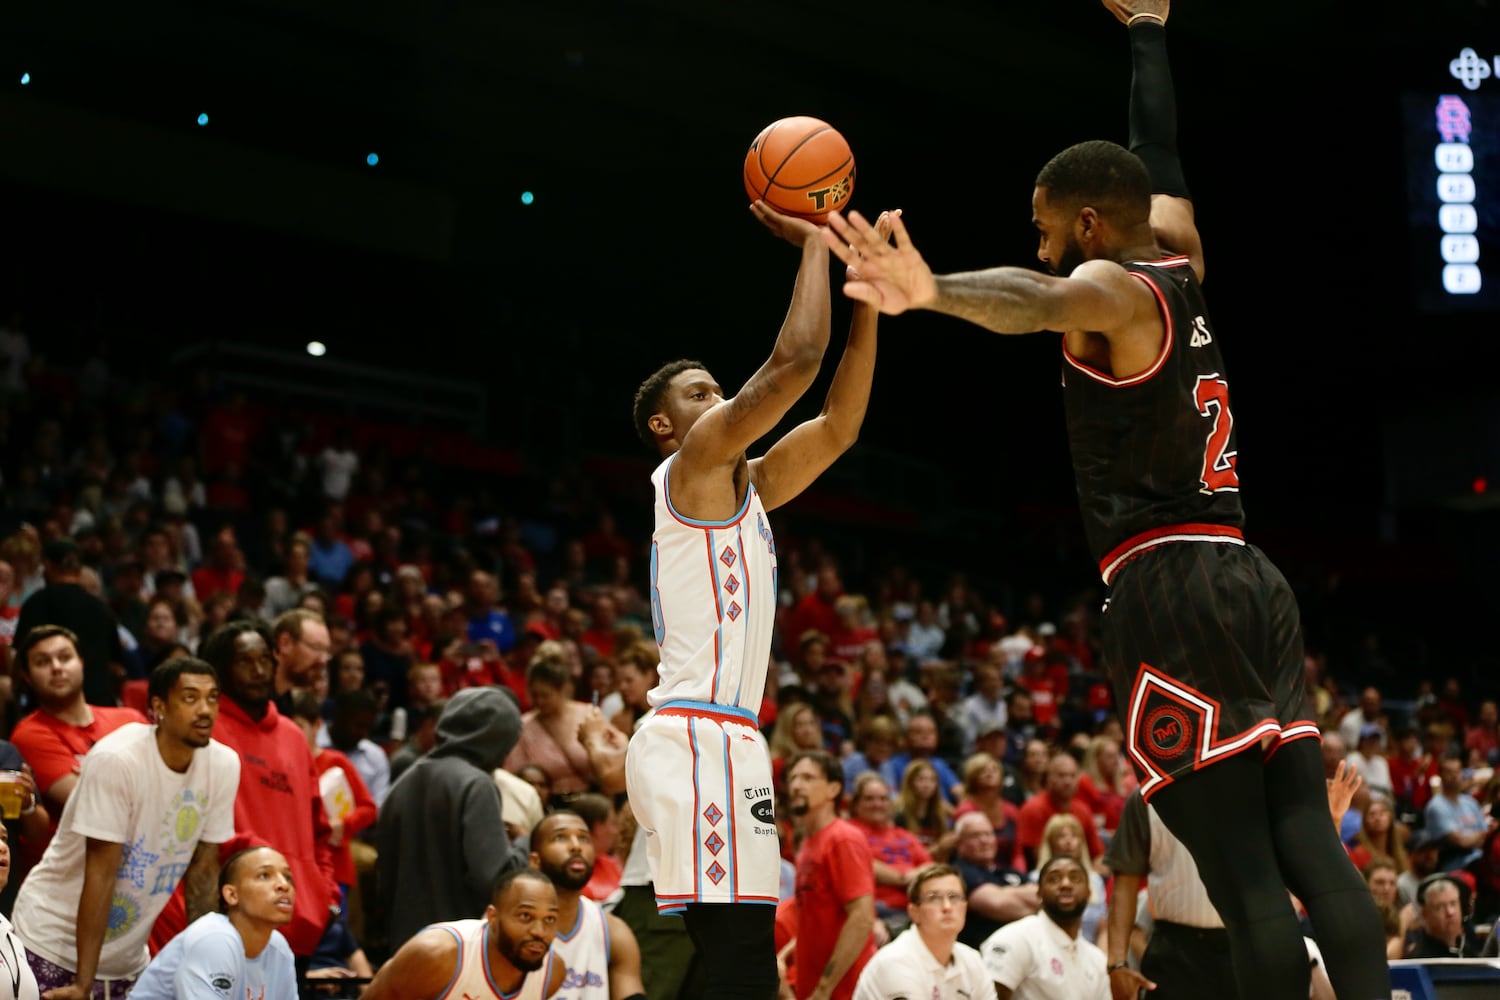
x=751, y=396
x=201, y=881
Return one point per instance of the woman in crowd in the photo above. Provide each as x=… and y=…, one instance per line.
x=797, y=728
x=921, y=808
x=1380, y=835
x=983, y=777
x=160, y=639
x=549, y=731
x=1105, y=781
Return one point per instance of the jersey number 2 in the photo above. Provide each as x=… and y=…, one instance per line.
x=1212, y=397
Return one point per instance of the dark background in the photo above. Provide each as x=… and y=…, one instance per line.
x=1363, y=422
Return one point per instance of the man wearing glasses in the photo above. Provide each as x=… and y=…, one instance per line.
x=302, y=647
x=927, y=960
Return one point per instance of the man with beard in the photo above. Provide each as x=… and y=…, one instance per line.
x=926, y=959
x=1201, y=633
x=1041, y=957
x=302, y=645
x=506, y=955
x=598, y=949
x=835, y=883
x=151, y=807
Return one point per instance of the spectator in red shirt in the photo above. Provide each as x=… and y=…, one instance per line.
x=835, y=883
x=897, y=852
x=1059, y=796
x=1482, y=740
x=225, y=569
x=816, y=611
x=600, y=635
x=307, y=715
x=1105, y=781
x=854, y=630
x=55, y=737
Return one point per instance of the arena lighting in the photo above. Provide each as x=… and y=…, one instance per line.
x=316, y=348
x=203, y=119
x=372, y=159
x=527, y=197
x=25, y=79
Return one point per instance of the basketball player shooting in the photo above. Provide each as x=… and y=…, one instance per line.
x=697, y=769
x=1200, y=631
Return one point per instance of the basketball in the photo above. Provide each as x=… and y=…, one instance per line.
x=802, y=167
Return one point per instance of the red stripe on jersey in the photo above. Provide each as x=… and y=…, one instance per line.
x=1161, y=357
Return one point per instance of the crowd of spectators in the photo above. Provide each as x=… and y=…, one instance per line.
x=374, y=584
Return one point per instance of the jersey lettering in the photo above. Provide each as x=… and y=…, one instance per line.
x=1212, y=397
x=1201, y=337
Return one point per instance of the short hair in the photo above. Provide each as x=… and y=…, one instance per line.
x=290, y=623
x=63, y=553
x=504, y=879
x=218, y=648
x=561, y=811
x=1099, y=173
x=40, y=634
x=926, y=874
x=827, y=763
x=592, y=807
x=653, y=392
x=306, y=705
x=1058, y=859
x=347, y=703
x=231, y=870
x=164, y=676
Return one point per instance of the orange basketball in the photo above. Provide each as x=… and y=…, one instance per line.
x=800, y=166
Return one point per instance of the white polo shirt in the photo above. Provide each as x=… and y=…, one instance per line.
x=906, y=969
x=1037, y=960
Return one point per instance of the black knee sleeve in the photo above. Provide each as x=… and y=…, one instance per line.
x=736, y=945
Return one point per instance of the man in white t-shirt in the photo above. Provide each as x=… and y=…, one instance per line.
x=1042, y=957
x=149, y=811
x=236, y=952
x=337, y=464
x=927, y=960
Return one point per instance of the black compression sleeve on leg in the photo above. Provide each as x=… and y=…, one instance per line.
x=1153, y=109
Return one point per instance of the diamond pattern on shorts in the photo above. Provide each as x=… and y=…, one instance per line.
x=733, y=611
x=727, y=556
x=712, y=814
x=714, y=843
x=731, y=584
x=715, y=872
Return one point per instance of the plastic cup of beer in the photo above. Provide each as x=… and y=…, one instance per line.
x=12, y=794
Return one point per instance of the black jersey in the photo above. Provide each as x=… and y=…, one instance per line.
x=1154, y=454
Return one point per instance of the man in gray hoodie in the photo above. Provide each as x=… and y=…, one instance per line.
x=441, y=837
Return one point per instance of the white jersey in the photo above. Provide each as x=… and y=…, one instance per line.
x=472, y=980
x=713, y=602
x=585, y=951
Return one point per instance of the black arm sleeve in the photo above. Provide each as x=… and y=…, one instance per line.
x=1153, y=109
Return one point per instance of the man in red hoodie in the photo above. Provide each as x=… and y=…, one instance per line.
x=278, y=801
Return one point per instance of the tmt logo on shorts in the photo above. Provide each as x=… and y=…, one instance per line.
x=1168, y=730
